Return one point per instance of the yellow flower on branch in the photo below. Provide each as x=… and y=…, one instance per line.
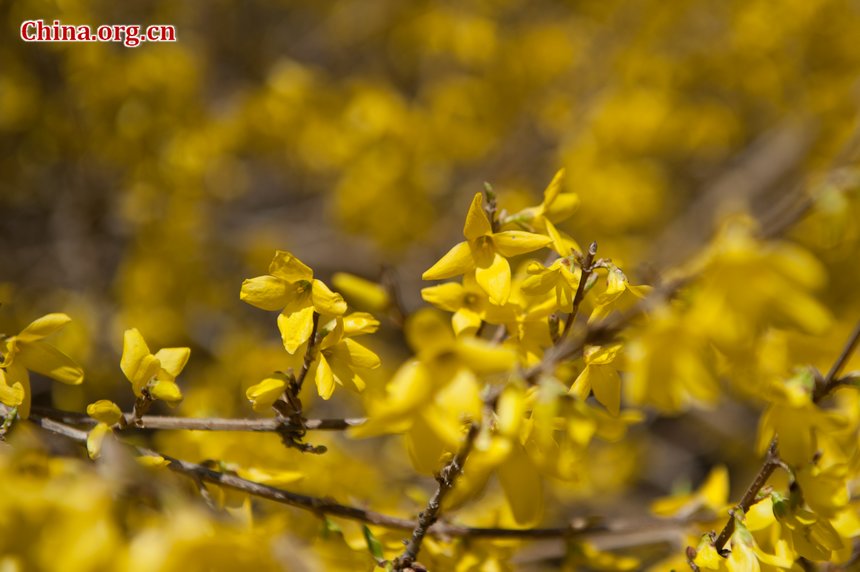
x=555, y=207
x=796, y=420
x=469, y=303
x=108, y=414
x=341, y=358
x=154, y=373
x=291, y=288
x=264, y=394
x=600, y=376
x=27, y=351
x=561, y=277
x=484, y=251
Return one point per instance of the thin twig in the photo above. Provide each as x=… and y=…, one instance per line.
x=750, y=495
x=587, y=267
x=309, y=356
x=166, y=422
x=446, y=479
x=829, y=383
x=830, y=380
x=581, y=528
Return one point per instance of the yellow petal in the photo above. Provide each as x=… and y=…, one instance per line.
x=715, y=490
x=485, y=357
x=581, y=387
x=356, y=355
x=540, y=282
x=345, y=375
x=173, y=360
x=324, y=378
x=287, y=267
x=477, y=223
x=362, y=293
x=465, y=320
x=265, y=292
x=707, y=558
x=167, y=391
x=43, y=327
x=44, y=358
x=17, y=376
x=553, y=189
x=138, y=365
x=273, y=478
x=425, y=446
x=495, y=279
x=95, y=438
x=154, y=461
x=428, y=330
x=607, y=387
x=510, y=412
x=11, y=395
x=104, y=411
x=563, y=207
x=601, y=355
x=325, y=301
x=760, y=515
x=456, y=261
x=514, y=242
x=523, y=487
x=359, y=323
x=296, y=327
x=265, y=393
x=448, y=296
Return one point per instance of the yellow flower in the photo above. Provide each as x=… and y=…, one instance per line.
x=27, y=351
x=423, y=381
x=746, y=285
x=811, y=535
x=291, y=287
x=555, y=207
x=469, y=303
x=561, y=277
x=796, y=420
x=154, y=373
x=600, y=377
x=108, y=414
x=670, y=364
x=484, y=251
x=264, y=394
x=341, y=357
x=618, y=295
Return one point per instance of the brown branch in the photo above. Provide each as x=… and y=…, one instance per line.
x=447, y=478
x=580, y=528
x=587, y=268
x=309, y=356
x=166, y=422
x=828, y=384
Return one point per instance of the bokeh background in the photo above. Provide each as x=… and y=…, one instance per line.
x=138, y=187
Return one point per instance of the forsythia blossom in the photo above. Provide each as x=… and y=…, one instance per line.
x=291, y=288
x=28, y=351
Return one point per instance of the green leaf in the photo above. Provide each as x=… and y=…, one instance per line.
x=373, y=544
x=330, y=527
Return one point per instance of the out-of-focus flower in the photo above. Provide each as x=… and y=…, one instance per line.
x=28, y=351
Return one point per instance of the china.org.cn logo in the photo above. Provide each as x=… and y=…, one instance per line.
x=130, y=36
